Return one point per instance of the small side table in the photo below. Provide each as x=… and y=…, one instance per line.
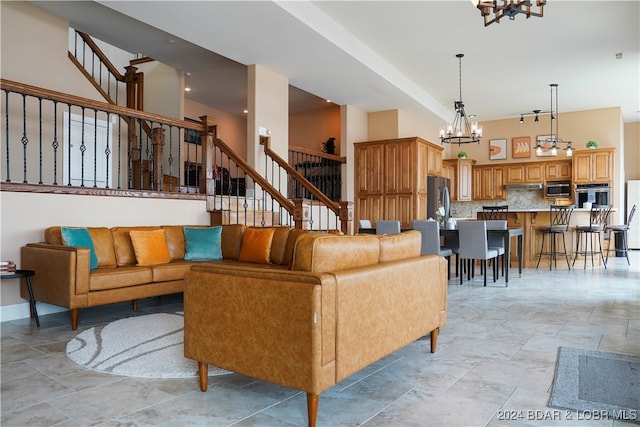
x=26, y=274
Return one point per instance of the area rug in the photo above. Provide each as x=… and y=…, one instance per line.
x=149, y=346
x=596, y=383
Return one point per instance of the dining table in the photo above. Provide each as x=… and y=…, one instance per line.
x=506, y=235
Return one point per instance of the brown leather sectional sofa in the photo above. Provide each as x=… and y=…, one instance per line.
x=63, y=276
x=346, y=302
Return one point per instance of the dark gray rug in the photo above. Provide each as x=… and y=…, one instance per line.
x=596, y=383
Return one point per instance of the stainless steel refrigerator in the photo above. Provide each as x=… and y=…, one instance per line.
x=437, y=196
x=633, y=198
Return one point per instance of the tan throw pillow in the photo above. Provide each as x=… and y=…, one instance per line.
x=256, y=245
x=150, y=247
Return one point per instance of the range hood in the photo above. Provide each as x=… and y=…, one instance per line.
x=530, y=187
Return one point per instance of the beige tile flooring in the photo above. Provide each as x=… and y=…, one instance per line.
x=495, y=359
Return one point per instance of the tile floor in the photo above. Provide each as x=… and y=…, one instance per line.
x=495, y=361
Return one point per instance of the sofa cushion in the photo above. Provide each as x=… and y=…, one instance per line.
x=256, y=245
x=202, y=243
x=291, y=244
x=119, y=277
x=175, y=270
x=400, y=246
x=80, y=237
x=324, y=253
x=125, y=255
x=175, y=240
x=150, y=247
x=279, y=245
x=103, y=244
x=232, y=240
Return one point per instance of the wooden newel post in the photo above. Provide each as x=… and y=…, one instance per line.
x=346, y=217
x=157, y=140
x=207, y=137
x=302, y=213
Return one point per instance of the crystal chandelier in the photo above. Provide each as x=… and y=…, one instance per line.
x=553, y=141
x=460, y=131
x=509, y=8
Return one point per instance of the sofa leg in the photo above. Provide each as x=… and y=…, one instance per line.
x=434, y=339
x=134, y=304
x=312, y=408
x=74, y=318
x=203, y=373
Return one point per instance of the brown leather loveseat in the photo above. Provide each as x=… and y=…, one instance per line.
x=347, y=302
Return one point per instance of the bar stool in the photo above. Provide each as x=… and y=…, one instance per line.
x=622, y=232
x=495, y=212
x=597, y=222
x=559, y=218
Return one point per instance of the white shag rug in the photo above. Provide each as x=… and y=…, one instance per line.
x=149, y=346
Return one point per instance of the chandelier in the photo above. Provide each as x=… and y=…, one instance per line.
x=510, y=8
x=460, y=131
x=553, y=141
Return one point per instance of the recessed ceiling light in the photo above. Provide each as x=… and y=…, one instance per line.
x=619, y=55
x=328, y=100
x=187, y=89
x=245, y=111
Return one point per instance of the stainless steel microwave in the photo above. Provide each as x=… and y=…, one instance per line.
x=557, y=189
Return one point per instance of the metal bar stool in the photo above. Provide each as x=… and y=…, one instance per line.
x=559, y=218
x=622, y=232
x=597, y=222
x=495, y=212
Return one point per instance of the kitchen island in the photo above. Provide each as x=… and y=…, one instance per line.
x=531, y=220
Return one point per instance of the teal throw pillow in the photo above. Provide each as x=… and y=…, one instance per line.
x=80, y=237
x=203, y=243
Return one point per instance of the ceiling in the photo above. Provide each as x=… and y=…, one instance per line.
x=380, y=55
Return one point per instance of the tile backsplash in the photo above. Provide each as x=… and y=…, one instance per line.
x=516, y=199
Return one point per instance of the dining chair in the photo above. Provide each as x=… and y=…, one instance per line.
x=474, y=246
x=497, y=241
x=597, y=223
x=621, y=232
x=364, y=223
x=559, y=219
x=430, y=232
x=495, y=212
x=387, y=227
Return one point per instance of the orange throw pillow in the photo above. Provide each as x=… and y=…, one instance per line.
x=150, y=247
x=256, y=245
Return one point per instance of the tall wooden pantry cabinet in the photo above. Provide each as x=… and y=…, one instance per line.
x=391, y=178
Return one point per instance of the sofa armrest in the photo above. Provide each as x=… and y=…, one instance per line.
x=277, y=326
x=61, y=273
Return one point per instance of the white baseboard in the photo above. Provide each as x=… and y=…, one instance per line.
x=21, y=311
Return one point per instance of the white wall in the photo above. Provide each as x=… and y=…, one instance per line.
x=26, y=215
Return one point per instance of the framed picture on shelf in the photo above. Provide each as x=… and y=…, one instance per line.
x=521, y=147
x=497, y=149
x=192, y=136
x=546, y=146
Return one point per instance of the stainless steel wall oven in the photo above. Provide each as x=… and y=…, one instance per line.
x=597, y=194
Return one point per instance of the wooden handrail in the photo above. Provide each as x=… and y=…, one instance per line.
x=93, y=81
x=318, y=154
x=97, y=105
x=249, y=170
x=112, y=69
x=266, y=141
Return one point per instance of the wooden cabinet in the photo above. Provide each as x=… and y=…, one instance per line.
x=488, y=183
x=557, y=170
x=533, y=173
x=461, y=178
x=514, y=173
x=591, y=166
x=391, y=178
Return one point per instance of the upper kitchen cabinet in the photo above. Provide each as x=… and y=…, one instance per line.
x=559, y=170
x=593, y=165
x=460, y=174
x=524, y=173
x=488, y=183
